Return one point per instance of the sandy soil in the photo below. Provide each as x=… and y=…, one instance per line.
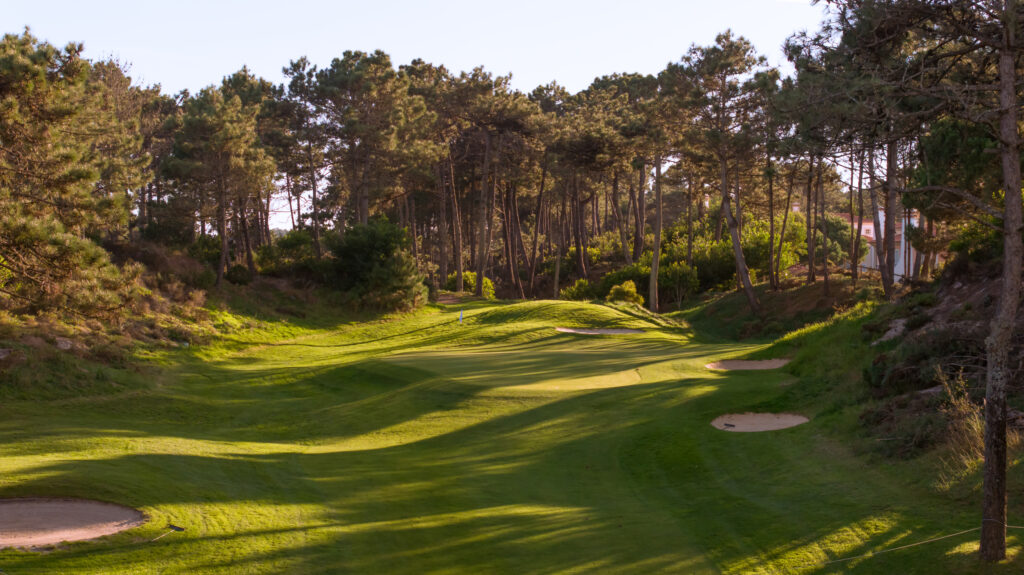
x=598, y=331
x=30, y=522
x=741, y=364
x=757, y=421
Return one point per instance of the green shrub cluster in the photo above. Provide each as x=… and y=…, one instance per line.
x=626, y=292
x=580, y=291
x=469, y=284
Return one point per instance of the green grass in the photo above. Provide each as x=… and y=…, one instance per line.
x=414, y=444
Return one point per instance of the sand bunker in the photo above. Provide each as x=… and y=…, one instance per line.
x=597, y=330
x=30, y=522
x=742, y=364
x=758, y=421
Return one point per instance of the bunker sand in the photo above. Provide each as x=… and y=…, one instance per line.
x=747, y=364
x=749, y=422
x=32, y=522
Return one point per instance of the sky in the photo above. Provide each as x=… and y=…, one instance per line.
x=191, y=44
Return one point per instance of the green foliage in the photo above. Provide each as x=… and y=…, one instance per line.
x=579, y=291
x=639, y=273
x=679, y=279
x=394, y=284
x=469, y=284
x=205, y=249
x=289, y=252
x=239, y=275
x=626, y=291
x=371, y=264
x=66, y=158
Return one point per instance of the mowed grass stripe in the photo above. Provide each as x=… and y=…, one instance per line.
x=419, y=445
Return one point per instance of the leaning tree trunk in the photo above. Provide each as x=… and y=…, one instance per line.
x=460, y=285
x=782, y=233
x=997, y=345
x=737, y=249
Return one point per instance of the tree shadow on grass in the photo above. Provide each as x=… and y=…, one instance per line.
x=626, y=480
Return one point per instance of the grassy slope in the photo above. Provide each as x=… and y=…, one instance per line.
x=418, y=445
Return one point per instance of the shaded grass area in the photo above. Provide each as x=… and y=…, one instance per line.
x=416, y=444
x=727, y=315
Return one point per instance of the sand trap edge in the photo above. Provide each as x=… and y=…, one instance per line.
x=101, y=518
x=598, y=330
x=755, y=422
x=747, y=364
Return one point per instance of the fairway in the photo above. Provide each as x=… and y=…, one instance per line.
x=417, y=444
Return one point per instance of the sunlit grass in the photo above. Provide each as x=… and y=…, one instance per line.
x=416, y=444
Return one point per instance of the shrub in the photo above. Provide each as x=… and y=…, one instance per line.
x=469, y=284
x=626, y=292
x=638, y=273
x=238, y=275
x=206, y=249
x=578, y=291
x=678, y=278
x=395, y=284
x=371, y=264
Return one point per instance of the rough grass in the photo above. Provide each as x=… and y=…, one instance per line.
x=416, y=444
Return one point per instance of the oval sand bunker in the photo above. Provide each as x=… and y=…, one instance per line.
x=598, y=330
x=745, y=422
x=29, y=522
x=745, y=364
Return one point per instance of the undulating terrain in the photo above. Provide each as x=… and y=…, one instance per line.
x=416, y=444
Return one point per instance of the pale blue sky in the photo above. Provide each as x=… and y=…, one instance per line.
x=191, y=44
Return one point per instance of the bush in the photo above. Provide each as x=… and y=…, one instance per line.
x=371, y=264
x=395, y=284
x=678, y=278
x=580, y=291
x=625, y=292
x=469, y=284
x=206, y=249
x=638, y=273
x=238, y=275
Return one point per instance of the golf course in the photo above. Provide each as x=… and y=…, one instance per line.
x=422, y=443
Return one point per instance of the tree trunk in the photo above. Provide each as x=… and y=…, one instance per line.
x=456, y=231
x=782, y=233
x=618, y=218
x=578, y=229
x=860, y=219
x=222, y=224
x=560, y=247
x=511, y=248
x=771, y=224
x=824, y=230
x=243, y=202
x=737, y=249
x=484, y=248
x=809, y=214
x=536, y=227
x=653, y=302
x=889, y=185
x=442, y=225
x=997, y=345
x=640, y=215
x=314, y=209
